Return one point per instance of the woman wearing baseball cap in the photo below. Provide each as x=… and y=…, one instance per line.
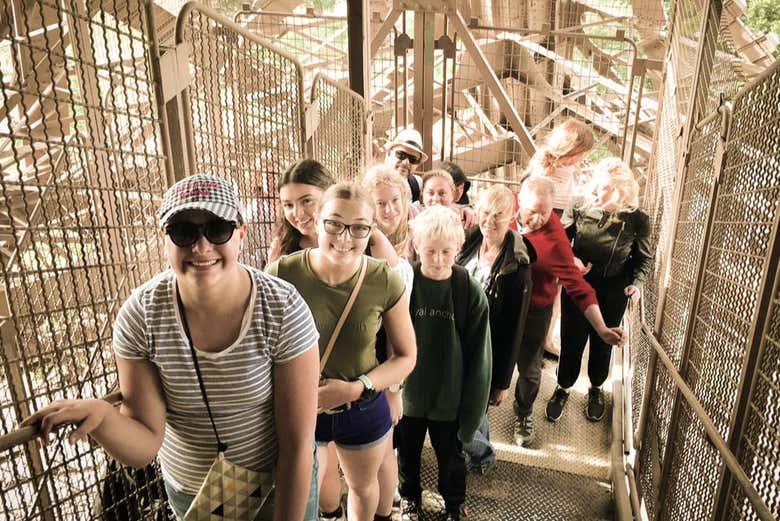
x=211, y=355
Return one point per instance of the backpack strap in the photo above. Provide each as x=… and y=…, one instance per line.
x=460, y=298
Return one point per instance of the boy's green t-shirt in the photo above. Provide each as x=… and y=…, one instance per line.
x=354, y=353
x=450, y=381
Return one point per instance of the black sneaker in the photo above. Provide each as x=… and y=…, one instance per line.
x=597, y=405
x=556, y=404
x=456, y=514
x=523, y=430
x=410, y=509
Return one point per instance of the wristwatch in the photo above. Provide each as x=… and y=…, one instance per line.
x=368, y=384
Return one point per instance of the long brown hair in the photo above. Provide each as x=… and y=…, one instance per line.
x=306, y=172
x=571, y=138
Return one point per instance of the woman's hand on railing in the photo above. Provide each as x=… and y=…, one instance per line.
x=633, y=293
x=87, y=414
x=615, y=336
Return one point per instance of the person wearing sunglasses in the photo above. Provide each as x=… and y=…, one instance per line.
x=405, y=154
x=254, y=341
x=355, y=412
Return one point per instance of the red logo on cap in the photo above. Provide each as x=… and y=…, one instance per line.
x=196, y=189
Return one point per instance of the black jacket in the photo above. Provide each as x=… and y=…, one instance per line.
x=509, y=294
x=617, y=244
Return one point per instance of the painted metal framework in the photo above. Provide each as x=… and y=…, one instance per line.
x=96, y=121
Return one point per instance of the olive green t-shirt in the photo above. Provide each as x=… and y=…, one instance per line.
x=354, y=352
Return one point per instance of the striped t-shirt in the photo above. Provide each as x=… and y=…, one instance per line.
x=276, y=328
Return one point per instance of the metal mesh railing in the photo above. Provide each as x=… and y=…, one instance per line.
x=339, y=135
x=245, y=107
x=724, y=253
x=547, y=82
x=750, y=191
x=83, y=168
x=319, y=42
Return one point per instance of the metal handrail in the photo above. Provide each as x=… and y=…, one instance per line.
x=619, y=480
x=761, y=509
x=23, y=435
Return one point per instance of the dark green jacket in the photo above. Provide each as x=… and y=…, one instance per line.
x=615, y=243
x=451, y=382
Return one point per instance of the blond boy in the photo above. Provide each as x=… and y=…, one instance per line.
x=447, y=393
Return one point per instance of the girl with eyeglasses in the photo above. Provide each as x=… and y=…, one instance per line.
x=355, y=413
x=254, y=342
x=300, y=193
x=301, y=188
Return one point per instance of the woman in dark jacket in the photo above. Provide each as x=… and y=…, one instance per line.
x=500, y=260
x=611, y=243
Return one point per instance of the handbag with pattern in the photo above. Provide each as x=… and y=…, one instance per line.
x=229, y=492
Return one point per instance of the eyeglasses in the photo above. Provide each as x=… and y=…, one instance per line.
x=413, y=160
x=356, y=230
x=185, y=233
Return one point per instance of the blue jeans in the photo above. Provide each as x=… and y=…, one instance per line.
x=479, y=450
x=180, y=501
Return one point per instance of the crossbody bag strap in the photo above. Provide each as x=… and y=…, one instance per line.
x=221, y=447
x=343, y=317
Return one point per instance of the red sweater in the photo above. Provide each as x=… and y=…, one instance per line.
x=555, y=260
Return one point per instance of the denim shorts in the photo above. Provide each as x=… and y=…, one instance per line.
x=364, y=425
x=180, y=501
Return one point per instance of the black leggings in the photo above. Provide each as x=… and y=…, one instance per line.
x=576, y=330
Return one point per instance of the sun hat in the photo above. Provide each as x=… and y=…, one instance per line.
x=411, y=139
x=201, y=192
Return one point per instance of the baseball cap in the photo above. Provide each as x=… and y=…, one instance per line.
x=411, y=139
x=201, y=192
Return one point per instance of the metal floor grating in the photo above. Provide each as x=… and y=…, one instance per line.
x=515, y=492
x=562, y=476
x=572, y=444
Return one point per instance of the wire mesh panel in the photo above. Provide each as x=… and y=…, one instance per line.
x=721, y=73
x=659, y=202
x=83, y=170
x=694, y=476
x=339, y=133
x=548, y=80
x=319, y=42
x=582, y=68
x=752, y=185
x=246, y=112
x=688, y=242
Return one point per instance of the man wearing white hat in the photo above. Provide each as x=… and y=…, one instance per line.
x=405, y=154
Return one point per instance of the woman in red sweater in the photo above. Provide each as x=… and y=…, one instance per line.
x=554, y=260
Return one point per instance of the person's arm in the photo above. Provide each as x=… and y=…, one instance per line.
x=400, y=334
x=580, y=291
x=295, y=413
x=569, y=221
x=381, y=247
x=611, y=335
x=477, y=366
x=131, y=434
x=275, y=249
x=641, y=259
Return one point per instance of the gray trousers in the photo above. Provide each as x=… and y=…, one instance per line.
x=529, y=360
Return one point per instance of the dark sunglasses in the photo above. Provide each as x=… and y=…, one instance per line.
x=356, y=230
x=413, y=160
x=185, y=233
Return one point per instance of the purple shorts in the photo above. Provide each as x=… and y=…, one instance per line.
x=364, y=425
